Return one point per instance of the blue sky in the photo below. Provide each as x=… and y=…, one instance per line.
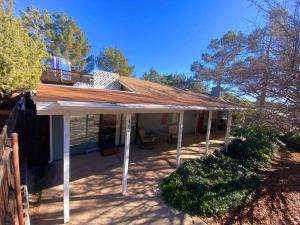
x=167, y=35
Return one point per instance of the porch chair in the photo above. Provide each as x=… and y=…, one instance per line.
x=147, y=139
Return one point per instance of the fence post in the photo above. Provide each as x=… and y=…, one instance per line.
x=15, y=147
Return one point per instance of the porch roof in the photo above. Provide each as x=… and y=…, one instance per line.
x=142, y=95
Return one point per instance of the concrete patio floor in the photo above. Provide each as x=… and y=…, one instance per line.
x=95, y=186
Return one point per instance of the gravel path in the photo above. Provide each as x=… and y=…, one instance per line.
x=278, y=200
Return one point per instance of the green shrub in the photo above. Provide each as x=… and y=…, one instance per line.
x=292, y=139
x=211, y=186
x=257, y=136
x=255, y=144
x=222, y=182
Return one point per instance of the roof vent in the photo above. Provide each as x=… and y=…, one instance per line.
x=106, y=80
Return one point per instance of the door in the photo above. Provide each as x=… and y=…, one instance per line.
x=201, y=121
x=107, y=131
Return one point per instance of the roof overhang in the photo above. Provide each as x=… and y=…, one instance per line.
x=75, y=108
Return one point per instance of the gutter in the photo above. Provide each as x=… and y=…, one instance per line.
x=75, y=106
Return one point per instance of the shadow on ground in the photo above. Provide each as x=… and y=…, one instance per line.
x=96, y=182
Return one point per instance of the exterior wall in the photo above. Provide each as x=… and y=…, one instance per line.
x=189, y=122
x=152, y=122
x=57, y=136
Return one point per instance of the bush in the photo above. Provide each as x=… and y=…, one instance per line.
x=292, y=139
x=222, y=182
x=210, y=186
x=255, y=144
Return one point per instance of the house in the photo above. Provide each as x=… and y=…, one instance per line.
x=85, y=113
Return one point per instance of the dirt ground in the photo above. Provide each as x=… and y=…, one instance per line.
x=278, y=200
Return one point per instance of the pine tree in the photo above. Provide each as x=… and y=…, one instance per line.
x=21, y=55
x=152, y=76
x=215, y=64
x=113, y=60
x=63, y=37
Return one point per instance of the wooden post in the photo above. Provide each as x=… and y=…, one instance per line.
x=179, y=141
x=229, y=119
x=126, y=153
x=66, y=168
x=208, y=132
x=17, y=179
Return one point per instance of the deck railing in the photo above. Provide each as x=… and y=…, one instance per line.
x=72, y=78
x=8, y=207
x=13, y=197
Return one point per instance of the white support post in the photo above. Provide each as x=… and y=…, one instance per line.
x=126, y=153
x=243, y=117
x=66, y=168
x=51, y=138
x=179, y=141
x=229, y=119
x=208, y=132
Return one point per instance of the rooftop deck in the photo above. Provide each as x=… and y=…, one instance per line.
x=95, y=186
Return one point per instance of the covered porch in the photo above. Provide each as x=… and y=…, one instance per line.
x=138, y=97
x=96, y=184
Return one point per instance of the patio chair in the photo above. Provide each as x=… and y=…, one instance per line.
x=147, y=139
x=173, y=132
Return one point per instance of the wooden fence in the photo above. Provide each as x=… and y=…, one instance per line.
x=13, y=197
x=8, y=206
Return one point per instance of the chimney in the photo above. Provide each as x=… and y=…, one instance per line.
x=217, y=91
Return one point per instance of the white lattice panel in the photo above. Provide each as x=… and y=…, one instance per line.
x=106, y=80
x=84, y=84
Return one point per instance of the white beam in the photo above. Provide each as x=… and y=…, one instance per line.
x=179, y=141
x=229, y=119
x=126, y=153
x=66, y=168
x=208, y=132
x=79, y=108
